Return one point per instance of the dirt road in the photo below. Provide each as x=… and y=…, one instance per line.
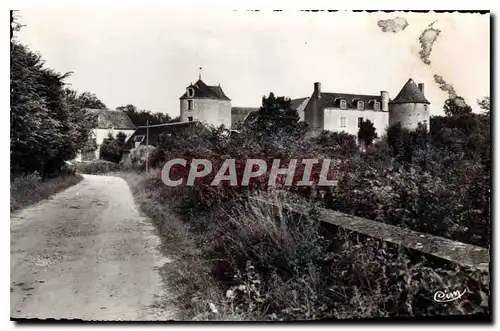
x=86, y=253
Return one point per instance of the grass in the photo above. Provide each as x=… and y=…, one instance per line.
x=30, y=189
x=249, y=261
x=191, y=290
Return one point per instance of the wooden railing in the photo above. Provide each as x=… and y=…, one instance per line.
x=442, y=248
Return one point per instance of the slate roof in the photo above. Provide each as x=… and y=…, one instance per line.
x=251, y=117
x=299, y=104
x=410, y=93
x=156, y=130
x=204, y=91
x=332, y=100
x=239, y=114
x=118, y=119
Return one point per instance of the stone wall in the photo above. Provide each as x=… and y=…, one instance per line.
x=332, y=120
x=214, y=112
x=409, y=114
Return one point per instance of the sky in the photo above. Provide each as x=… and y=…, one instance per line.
x=147, y=57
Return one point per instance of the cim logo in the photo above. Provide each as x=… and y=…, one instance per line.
x=447, y=296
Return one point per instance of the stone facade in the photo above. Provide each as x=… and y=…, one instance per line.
x=410, y=107
x=213, y=112
x=409, y=115
x=342, y=112
x=206, y=104
x=347, y=120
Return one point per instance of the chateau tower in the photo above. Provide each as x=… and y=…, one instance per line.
x=207, y=104
x=410, y=107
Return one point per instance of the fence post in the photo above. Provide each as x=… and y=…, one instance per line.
x=147, y=145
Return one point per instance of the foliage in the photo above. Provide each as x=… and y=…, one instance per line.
x=139, y=156
x=367, y=132
x=485, y=104
x=89, y=149
x=90, y=100
x=456, y=106
x=96, y=167
x=48, y=125
x=276, y=123
x=278, y=266
x=141, y=117
x=28, y=189
x=111, y=148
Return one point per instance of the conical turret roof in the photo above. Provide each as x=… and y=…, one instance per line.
x=410, y=93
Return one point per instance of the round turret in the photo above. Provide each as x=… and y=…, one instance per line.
x=410, y=107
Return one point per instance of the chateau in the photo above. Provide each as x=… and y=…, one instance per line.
x=344, y=112
x=322, y=110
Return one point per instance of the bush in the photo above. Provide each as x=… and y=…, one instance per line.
x=270, y=264
x=274, y=265
x=96, y=167
x=136, y=160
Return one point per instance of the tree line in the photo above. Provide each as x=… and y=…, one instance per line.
x=48, y=120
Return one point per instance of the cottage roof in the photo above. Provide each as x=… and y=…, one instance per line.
x=299, y=104
x=204, y=91
x=239, y=114
x=156, y=130
x=410, y=93
x=117, y=119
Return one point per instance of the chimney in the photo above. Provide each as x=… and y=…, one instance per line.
x=421, y=87
x=384, y=95
x=317, y=90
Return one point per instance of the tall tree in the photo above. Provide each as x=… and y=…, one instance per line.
x=276, y=117
x=141, y=117
x=111, y=148
x=456, y=107
x=367, y=132
x=47, y=125
x=90, y=100
x=485, y=104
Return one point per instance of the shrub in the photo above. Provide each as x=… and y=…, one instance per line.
x=272, y=264
x=96, y=167
x=136, y=160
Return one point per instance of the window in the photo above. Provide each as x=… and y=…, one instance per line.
x=424, y=123
x=190, y=92
x=343, y=122
x=138, y=138
x=376, y=105
x=343, y=104
x=361, y=105
x=110, y=129
x=190, y=118
x=360, y=120
x=190, y=104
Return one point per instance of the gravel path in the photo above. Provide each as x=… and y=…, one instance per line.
x=86, y=253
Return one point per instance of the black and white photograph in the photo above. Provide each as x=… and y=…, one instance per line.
x=174, y=164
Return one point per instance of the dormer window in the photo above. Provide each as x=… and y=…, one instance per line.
x=343, y=104
x=361, y=105
x=190, y=92
x=376, y=105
